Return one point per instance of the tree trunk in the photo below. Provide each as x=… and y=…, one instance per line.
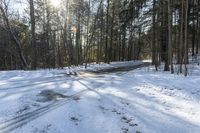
x=107, y=32
x=154, y=34
x=170, y=36
x=33, y=38
x=186, y=36
x=181, y=38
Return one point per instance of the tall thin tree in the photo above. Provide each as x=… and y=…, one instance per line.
x=33, y=37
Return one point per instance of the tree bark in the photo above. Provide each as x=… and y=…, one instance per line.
x=186, y=36
x=33, y=37
x=170, y=52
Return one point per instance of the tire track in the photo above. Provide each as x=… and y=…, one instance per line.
x=23, y=119
x=18, y=121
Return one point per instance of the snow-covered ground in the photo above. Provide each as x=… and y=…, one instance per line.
x=142, y=100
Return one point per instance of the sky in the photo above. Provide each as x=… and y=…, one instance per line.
x=18, y=5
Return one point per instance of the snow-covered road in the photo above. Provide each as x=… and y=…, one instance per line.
x=141, y=100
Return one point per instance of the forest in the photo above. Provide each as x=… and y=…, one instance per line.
x=52, y=34
x=99, y=66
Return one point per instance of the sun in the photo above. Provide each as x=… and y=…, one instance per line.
x=55, y=3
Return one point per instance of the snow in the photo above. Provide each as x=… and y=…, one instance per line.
x=140, y=100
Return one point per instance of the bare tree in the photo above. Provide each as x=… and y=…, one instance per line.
x=17, y=42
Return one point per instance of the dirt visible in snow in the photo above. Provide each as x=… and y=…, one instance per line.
x=49, y=95
x=119, y=68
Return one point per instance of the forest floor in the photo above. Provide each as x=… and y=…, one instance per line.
x=114, y=98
